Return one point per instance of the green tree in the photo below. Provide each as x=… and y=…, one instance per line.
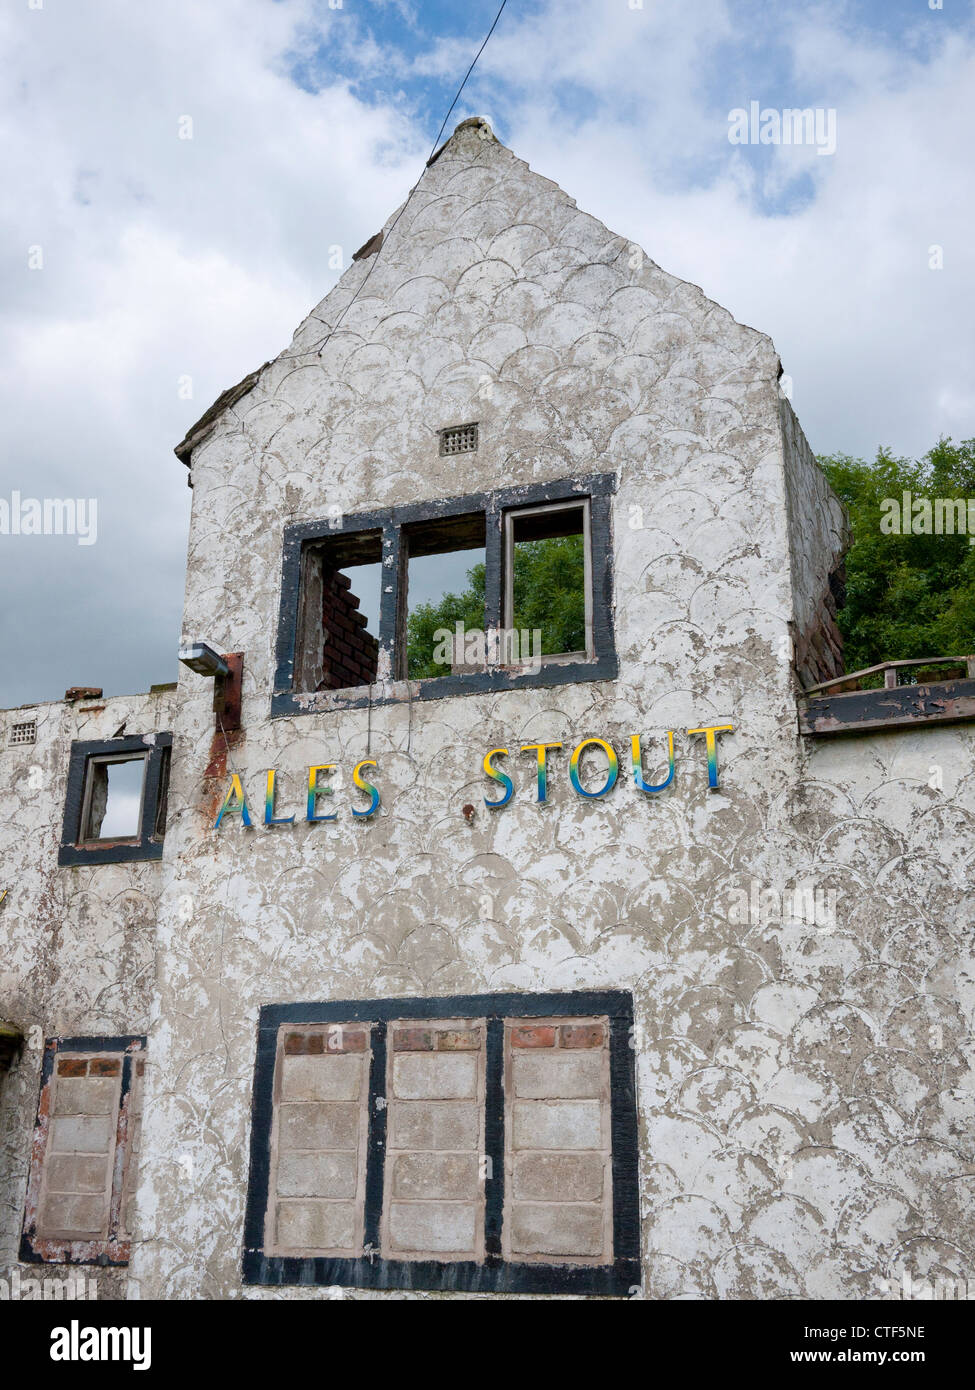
x=549, y=592
x=548, y=589
x=426, y=618
x=907, y=596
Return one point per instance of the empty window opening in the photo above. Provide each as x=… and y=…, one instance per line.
x=548, y=578
x=444, y=585
x=459, y=439
x=467, y=593
x=340, y=621
x=22, y=733
x=113, y=798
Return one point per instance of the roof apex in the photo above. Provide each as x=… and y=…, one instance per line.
x=480, y=127
x=478, y=124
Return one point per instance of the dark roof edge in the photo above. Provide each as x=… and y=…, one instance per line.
x=206, y=423
x=197, y=433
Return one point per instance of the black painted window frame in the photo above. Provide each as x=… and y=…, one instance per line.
x=494, y=1274
x=597, y=489
x=155, y=748
x=115, y=1250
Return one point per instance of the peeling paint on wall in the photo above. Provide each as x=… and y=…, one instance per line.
x=806, y=1089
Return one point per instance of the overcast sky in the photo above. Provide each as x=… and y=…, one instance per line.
x=166, y=258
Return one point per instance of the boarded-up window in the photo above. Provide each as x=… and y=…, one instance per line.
x=82, y=1175
x=558, y=1143
x=434, y=1198
x=319, y=1141
x=76, y=1192
x=482, y=1142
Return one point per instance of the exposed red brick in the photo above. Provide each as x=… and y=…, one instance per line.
x=819, y=648
x=353, y=1041
x=459, y=1039
x=351, y=653
x=414, y=1040
x=581, y=1034
x=314, y=1044
x=72, y=1066
x=534, y=1036
x=294, y=1044
x=105, y=1066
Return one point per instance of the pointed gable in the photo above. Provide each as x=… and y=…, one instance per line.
x=487, y=295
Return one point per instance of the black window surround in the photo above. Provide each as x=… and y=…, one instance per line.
x=603, y=664
x=155, y=749
x=494, y=1274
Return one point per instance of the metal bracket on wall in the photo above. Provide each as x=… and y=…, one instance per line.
x=227, y=692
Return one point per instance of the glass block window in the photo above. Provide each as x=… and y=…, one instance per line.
x=483, y=1143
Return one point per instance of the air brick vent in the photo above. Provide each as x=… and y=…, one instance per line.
x=459, y=439
x=25, y=732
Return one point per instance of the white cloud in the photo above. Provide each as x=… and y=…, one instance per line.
x=165, y=257
x=162, y=258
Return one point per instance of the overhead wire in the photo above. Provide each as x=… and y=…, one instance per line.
x=365, y=279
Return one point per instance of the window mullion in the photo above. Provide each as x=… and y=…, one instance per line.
x=392, y=617
x=495, y=566
x=376, y=1139
x=494, y=1138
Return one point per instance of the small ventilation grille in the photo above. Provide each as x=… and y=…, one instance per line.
x=461, y=439
x=23, y=733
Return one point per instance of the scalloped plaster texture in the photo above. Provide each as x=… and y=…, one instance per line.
x=806, y=1094
x=76, y=944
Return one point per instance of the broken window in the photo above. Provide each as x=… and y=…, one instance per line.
x=115, y=808
x=548, y=581
x=443, y=587
x=82, y=1172
x=484, y=1142
x=489, y=591
x=113, y=798
x=341, y=590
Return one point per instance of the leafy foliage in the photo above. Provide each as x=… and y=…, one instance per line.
x=549, y=594
x=907, y=596
x=423, y=622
